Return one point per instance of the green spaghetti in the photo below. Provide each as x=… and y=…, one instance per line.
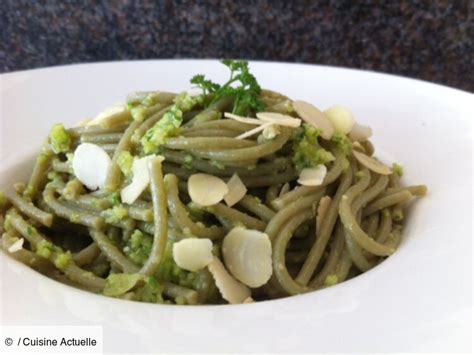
x=234, y=195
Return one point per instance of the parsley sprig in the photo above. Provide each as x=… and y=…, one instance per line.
x=242, y=87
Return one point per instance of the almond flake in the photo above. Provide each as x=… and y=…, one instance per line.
x=313, y=176
x=253, y=131
x=271, y=131
x=237, y=190
x=341, y=119
x=284, y=189
x=193, y=254
x=279, y=119
x=357, y=146
x=314, y=117
x=206, y=190
x=231, y=290
x=112, y=116
x=248, y=120
x=248, y=256
x=371, y=163
x=90, y=164
x=16, y=246
x=140, y=179
x=360, y=133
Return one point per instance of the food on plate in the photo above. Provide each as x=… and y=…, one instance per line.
x=234, y=195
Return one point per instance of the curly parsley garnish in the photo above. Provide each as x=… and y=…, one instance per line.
x=242, y=87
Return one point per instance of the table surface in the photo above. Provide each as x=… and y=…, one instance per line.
x=433, y=42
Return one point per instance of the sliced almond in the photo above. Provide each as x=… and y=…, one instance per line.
x=237, y=190
x=357, y=146
x=284, y=189
x=323, y=207
x=140, y=179
x=249, y=300
x=371, y=163
x=90, y=164
x=313, y=176
x=253, y=131
x=206, y=190
x=360, y=133
x=248, y=256
x=112, y=116
x=17, y=245
x=248, y=120
x=193, y=254
x=231, y=290
x=341, y=119
x=314, y=117
x=279, y=119
x=271, y=131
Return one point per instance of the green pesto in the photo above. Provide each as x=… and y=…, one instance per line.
x=138, y=113
x=331, y=280
x=44, y=248
x=307, y=153
x=138, y=106
x=151, y=292
x=186, y=102
x=138, y=247
x=59, y=139
x=398, y=169
x=343, y=143
x=115, y=214
x=52, y=176
x=168, y=126
x=62, y=260
x=169, y=271
x=125, y=162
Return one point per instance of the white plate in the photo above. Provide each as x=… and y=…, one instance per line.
x=417, y=300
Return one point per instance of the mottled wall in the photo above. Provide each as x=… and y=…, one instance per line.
x=431, y=40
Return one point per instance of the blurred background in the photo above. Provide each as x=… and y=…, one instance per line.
x=430, y=40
